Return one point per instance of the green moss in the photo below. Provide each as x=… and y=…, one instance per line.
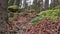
x=51, y=14
x=13, y=8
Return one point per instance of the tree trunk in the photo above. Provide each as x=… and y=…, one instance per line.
x=3, y=13
x=52, y=4
x=18, y=1
x=3, y=10
x=59, y=2
x=14, y=2
x=46, y=4
x=11, y=2
x=25, y=5
x=41, y=5
x=35, y=4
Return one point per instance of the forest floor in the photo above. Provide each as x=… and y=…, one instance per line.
x=18, y=21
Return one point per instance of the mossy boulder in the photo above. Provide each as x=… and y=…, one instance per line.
x=13, y=8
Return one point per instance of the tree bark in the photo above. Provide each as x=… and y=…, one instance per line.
x=59, y=2
x=3, y=12
x=35, y=4
x=46, y=4
x=3, y=9
x=10, y=2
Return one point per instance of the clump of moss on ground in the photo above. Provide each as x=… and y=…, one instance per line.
x=51, y=14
